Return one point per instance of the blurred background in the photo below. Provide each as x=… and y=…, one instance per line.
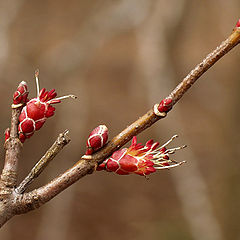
x=120, y=58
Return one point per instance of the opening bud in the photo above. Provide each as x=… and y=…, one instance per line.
x=140, y=159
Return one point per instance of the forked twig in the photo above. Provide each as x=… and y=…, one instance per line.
x=62, y=140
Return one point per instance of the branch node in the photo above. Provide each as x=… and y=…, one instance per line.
x=87, y=157
x=157, y=112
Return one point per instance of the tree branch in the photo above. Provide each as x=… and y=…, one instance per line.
x=12, y=202
x=9, y=173
x=62, y=140
x=206, y=63
x=87, y=163
x=13, y=147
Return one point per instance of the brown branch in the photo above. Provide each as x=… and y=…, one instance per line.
x=29, y=201
x=84, y=166
x=62, y=140
x=9, y=173
x=13, y=147
x=12, y=202
x=87, y=164
x=206, y=63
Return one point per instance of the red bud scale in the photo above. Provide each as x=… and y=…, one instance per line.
x=7, y=134
x=20, y=96
x=97, y=139
x=238, y=23
x=165, y=105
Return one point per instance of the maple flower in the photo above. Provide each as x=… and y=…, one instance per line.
x=36, y=111
x=141, y=160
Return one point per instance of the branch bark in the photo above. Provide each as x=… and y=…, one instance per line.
x=13, y=148
x=12, y=202
x=62, y=140
x=87, y=164
x=206, y=63
x=9, y=174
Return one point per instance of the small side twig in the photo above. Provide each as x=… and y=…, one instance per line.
x=62, y=140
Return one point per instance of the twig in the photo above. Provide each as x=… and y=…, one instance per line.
x=206, y=63
x=150, y=118
x=62, y=140
x=13, y=147
x=154, y=64
x=85, y=166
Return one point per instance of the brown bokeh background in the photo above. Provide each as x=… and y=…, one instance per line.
x=121, y=57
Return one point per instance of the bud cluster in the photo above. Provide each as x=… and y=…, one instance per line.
x=35, y=112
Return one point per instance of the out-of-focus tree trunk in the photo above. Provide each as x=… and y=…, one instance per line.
x=158, y=72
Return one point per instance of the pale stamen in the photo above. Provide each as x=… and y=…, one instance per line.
x=157, y=153
x=162, y=161
x=64, y=97
x=172, y=150
x=170, y=166
x=169, y=141
x=37, y=81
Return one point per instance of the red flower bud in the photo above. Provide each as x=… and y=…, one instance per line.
x=165, y=105
x=7, y=134
x=20, y=96
x=238, y=23
x=97, y=139
x=139, y=159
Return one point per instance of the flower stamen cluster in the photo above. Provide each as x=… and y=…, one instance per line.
x=141, y=160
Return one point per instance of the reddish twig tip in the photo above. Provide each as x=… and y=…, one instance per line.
x=238, y=23
x=7, y=134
